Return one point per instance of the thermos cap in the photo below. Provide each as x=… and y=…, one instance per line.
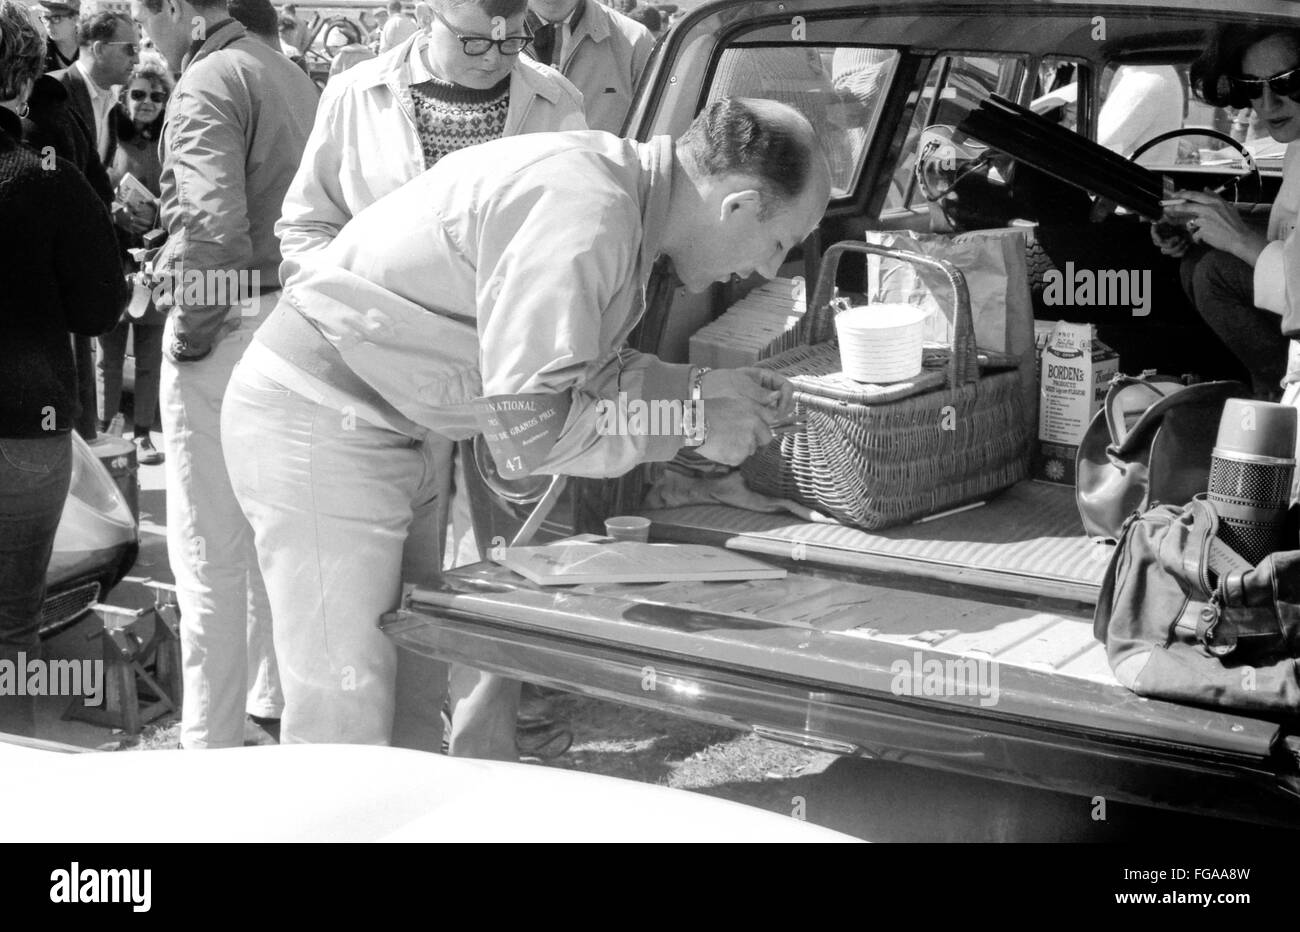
x=1256, y=429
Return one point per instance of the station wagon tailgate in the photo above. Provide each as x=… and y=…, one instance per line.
x=937, y=681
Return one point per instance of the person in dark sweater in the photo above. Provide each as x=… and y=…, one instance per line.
x=59, y=273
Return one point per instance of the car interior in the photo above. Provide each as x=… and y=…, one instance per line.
x=875, y=86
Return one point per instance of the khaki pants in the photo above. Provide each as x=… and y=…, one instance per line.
x=228, y=663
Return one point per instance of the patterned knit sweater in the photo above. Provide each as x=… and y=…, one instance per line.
x=450, y=117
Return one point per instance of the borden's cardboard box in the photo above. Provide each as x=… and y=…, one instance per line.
x=1075, y=373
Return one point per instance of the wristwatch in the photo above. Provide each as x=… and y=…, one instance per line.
x=695, y=426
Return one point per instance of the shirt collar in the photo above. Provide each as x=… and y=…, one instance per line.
x=572, y=20
x=83, y=65
x=655, y=192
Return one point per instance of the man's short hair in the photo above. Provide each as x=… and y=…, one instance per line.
x=506, y=9
x=648, y=17
x=258, y=16
x=101, y=27
x=729, y=137
x=394, y=7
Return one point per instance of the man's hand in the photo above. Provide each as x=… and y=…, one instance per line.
x=737, y=427
x=1213, y=221
x=762, y=386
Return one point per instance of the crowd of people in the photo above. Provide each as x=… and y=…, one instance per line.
x=401, y=246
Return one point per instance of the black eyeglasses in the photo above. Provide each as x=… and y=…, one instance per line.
x=131, y=47
x=54, y=18
x=1284, y=84
x=156, y=96
x=479, y=45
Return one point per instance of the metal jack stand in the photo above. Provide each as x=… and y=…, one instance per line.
x=131, y=639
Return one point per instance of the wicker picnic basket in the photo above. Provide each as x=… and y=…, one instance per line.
x=877, y=455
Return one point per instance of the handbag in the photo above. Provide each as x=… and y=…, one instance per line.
x=1150, y=442
x=1185, y=618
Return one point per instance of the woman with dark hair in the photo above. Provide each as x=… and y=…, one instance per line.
x=139, y=122
x=59, y=272
x=1244, y=283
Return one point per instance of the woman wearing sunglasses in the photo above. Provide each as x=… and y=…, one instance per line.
x=139, y=122
x=1243, y=282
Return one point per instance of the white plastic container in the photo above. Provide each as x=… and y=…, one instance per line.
x=881, y=343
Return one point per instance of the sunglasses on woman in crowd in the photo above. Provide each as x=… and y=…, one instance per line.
x=156, y=96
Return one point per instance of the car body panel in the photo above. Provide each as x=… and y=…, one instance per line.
x=357, y=793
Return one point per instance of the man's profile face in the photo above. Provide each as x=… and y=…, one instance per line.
x=116, y=58
x=552, y=10
x=734, y=240
x=168, y=29
x=62, y=26
x=447, y=54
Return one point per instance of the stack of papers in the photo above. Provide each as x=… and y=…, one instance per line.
x=759, y=325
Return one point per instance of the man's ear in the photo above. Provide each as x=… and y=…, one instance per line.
x=743, y=203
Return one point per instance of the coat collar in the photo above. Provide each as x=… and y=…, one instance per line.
x=222, y=34
x=10, y=124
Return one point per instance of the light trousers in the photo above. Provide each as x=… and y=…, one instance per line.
x=344, y=512
x=227, y=660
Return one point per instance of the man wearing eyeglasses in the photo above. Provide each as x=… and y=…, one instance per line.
x=60, y=20
x=108, y=53
x=381, y=124
x=601, y=51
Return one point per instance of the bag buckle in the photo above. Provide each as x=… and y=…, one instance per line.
x=1207, y=627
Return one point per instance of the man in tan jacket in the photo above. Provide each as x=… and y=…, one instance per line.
x=385, y=121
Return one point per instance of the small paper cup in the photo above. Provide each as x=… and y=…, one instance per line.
x=628, y=527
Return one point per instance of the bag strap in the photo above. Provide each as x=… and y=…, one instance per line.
x=1115, y=425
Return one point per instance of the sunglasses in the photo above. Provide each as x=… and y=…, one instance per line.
x=1284, y=84
x=156, y=96
x=130, y=47
x=54, y=19
x=475, y=46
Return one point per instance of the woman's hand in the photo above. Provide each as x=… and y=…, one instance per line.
x=1213, y=221
x=132, y=219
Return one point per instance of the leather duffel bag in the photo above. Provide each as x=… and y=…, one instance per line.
x=1150, y=442
x=1184, y=618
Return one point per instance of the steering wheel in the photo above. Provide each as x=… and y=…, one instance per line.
x=1252, y=168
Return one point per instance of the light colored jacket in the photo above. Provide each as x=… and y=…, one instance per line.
x=604, y=58
x=236, y=126
x=473, y=281
x=365, y=143
x=1277, y=271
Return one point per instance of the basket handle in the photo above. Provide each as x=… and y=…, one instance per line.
x=963, y=363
